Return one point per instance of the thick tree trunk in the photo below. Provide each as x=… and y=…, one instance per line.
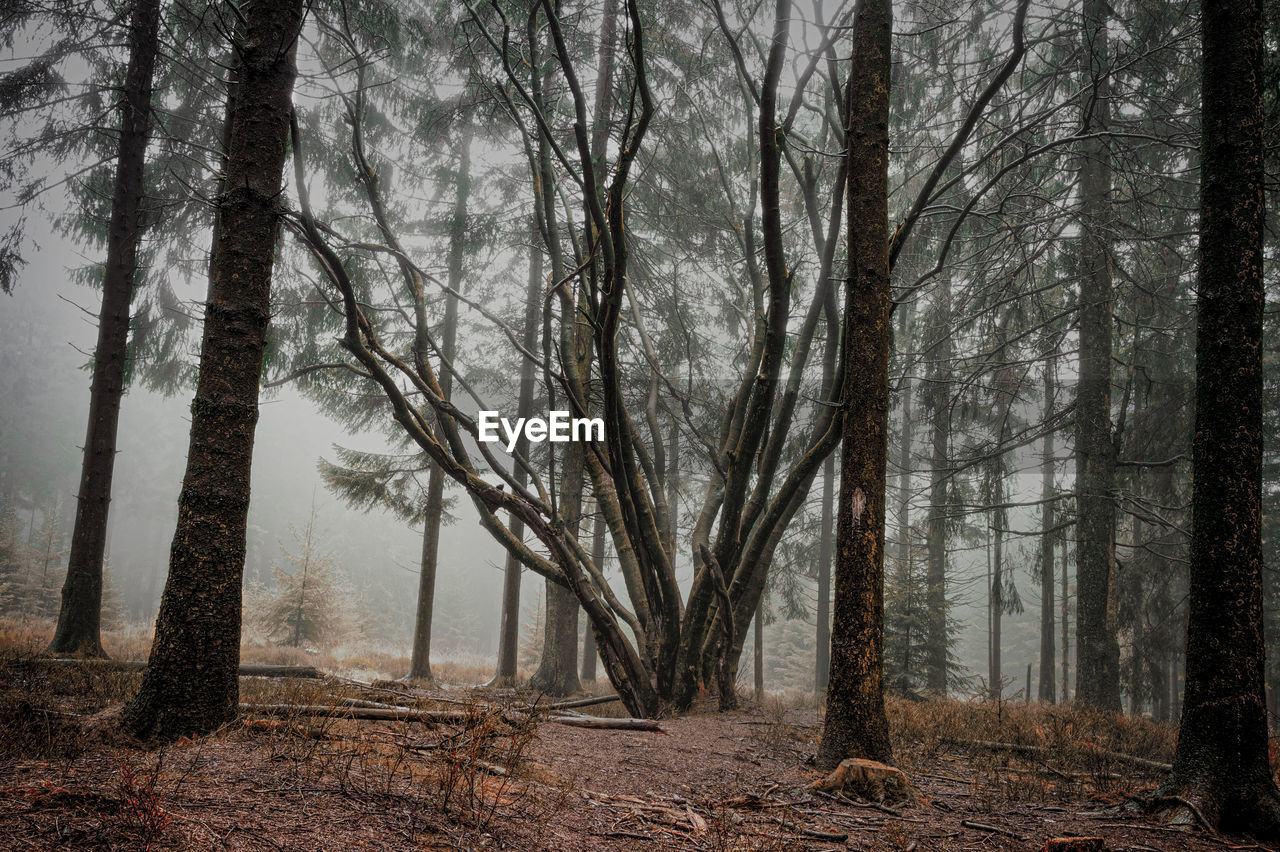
x=856, y=725
x=1048, y=518
x=190, y=684
x=1221, y=762
x=557, y=673
x=420, y=662
x=80, y=619
x=1098, y=652
x=509, y=631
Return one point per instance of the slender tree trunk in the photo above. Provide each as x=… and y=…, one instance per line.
x=822, y=665
x=938, y=640
x=856, y=725
x=420, y=658
x=906, y=435
x=904, y=447
x=420, y=663
x=996, y=602
x=757, y=664
x=509, y=632
x=1221, y=762
x=826, y=541
x=80, y=619
x=598, y=542
x=1048, y=519
x=1066, y=627
x=190, y=684
x=1098, y=652
x=557, y=673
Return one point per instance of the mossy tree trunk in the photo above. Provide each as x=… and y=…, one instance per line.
x=190, y=685
x=80, y=618
x=1221, y=763
x=856, y=725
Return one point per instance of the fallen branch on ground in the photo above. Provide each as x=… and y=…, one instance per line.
x=995, y=829
x=602, y=723
x=247, y=670
x=384, y=714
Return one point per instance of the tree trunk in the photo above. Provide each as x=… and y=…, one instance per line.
x=598, y=534
x=1048, y=518
x=938, y=640
x=1098, y=652
x=822, y=663
x=995, y=600
x=826, y=542
x=1221, y=762
x=1066, y=627
x=757, y=663
x=509, y=631
x=420, y=663
x=855, y=724
x=190, y=684
x=557, y=673
x=80, y=619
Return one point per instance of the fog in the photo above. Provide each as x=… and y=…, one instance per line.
x=47, y=327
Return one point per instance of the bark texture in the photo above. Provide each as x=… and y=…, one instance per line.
x=856, y=725
x=190, y=685
x=80, y=618
x=1221, y=762
x=1097, y=652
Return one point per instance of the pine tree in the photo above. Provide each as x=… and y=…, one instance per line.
x=305, y=608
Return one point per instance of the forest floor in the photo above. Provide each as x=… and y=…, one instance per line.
x=485, y=773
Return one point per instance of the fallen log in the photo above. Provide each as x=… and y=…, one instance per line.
x=382, y=714
x=603, y=723
x=406, y=714
x=246, y=670
x=1040, y=751
x=372, y=705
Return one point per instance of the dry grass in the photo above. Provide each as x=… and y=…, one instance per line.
x=1073, y=751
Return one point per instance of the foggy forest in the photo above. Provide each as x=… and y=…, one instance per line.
x=639, y=424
